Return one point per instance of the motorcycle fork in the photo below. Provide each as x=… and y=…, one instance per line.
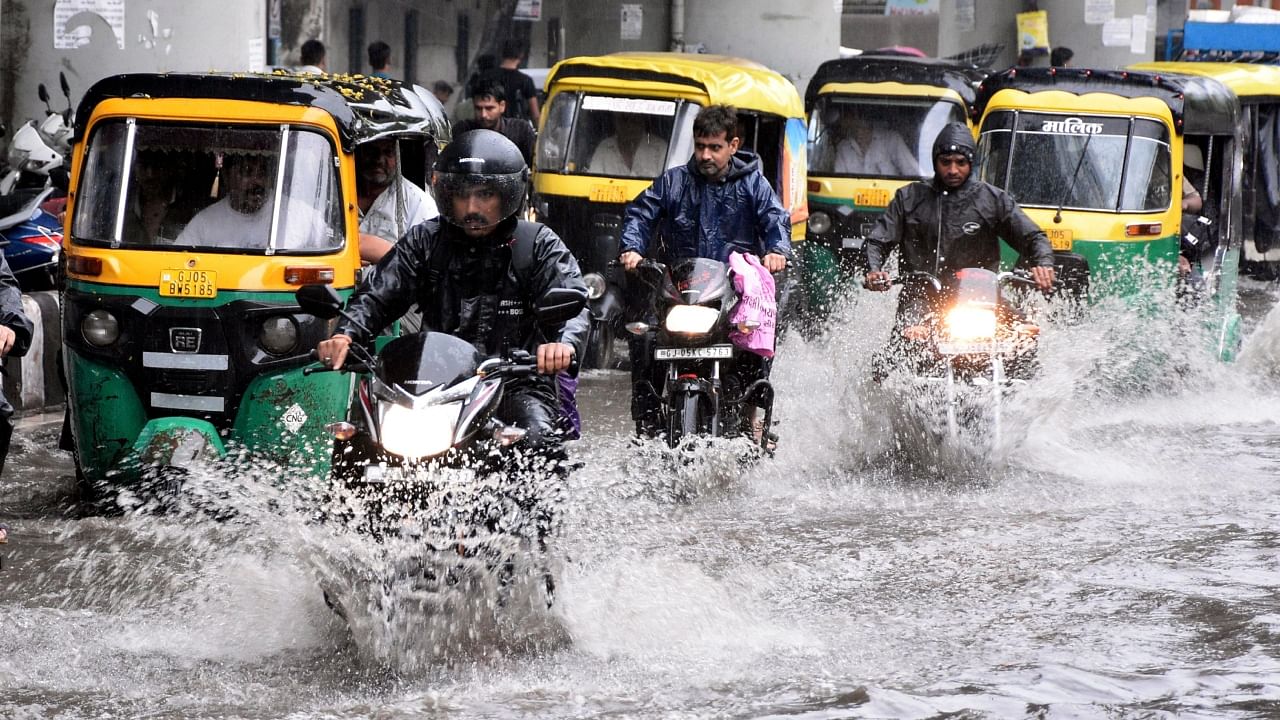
x=714, y=392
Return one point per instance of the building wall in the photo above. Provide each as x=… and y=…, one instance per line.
x=791, y=37
x=187, y=36
x=868, y=32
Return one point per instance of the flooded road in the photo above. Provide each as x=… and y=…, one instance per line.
x=1118, y=555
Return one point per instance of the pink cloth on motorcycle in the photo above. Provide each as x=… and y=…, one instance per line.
x=757, y=303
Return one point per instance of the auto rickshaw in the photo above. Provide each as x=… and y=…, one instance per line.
x=199, y=205
x=1095, y=157
x=648, y=100
x=1258, y=89
x=893, y=105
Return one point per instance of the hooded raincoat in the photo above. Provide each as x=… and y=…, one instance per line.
x=696, y=217
x=940, y=230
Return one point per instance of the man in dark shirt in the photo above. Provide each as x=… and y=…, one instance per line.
x=521, y=94
x=490, y=104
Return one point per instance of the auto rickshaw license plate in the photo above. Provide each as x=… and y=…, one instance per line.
x=189, y=283
x=608, y=193
x=1059, y=239
x=871, y=198
x=711, y=352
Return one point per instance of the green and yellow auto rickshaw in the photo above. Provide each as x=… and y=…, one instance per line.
x=872, y=123
x=199, y=204
x=647, y=101
x=1258, y=89
x=1096, y=158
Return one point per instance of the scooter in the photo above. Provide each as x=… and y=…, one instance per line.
x=692, y=301
x=31, y=239
x=38, y=152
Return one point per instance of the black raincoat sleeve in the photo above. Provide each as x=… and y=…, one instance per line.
x=556, y=267
x=11, y=314
x=887, y=232
x=1023, y=234
x=394, y=284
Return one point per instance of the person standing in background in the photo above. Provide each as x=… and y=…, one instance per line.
x=1061, y=57
x=442, y=90
x=522, y=96
x=312, y=56
x=379, y=59
x=490, y=105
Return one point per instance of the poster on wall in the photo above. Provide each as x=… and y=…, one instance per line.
x=1097, y=12
x=73, y=21
x=528, y=10
x=966, y=16
x=1033, y=30
x=911, y=7
x=1117, y=32
x=632, y=21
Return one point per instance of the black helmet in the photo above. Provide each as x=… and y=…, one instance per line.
x=480, y=159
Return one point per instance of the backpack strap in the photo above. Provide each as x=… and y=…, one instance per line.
x=526, y=237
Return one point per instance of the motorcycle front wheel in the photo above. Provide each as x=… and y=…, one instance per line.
x=685, y=418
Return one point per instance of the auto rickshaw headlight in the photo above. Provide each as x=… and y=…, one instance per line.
x=819, y=223
x=596, y=285
x=100, y=328
x=279, y=335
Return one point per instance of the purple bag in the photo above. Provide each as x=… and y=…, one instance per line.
x=757, y=305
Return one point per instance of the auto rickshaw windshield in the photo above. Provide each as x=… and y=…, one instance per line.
x=209, y=187
x=877, y=136
x=1075, y=161
x=613, y=136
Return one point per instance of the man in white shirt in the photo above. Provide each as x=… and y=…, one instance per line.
x=631, y=151
x=867, y=149
x=389, y=203
x=242, y=219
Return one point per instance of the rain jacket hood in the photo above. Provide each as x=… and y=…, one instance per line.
x=954, y=138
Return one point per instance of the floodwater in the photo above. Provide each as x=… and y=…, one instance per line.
x=1117, y=555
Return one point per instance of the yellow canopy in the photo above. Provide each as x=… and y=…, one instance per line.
x=1245, y=80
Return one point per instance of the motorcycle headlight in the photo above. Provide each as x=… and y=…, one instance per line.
x=100, y=328
x=819, y=223
x=971, y=322
x=17, y=158
x=414, y=433
x=691, y=319
x=278, y=335
x=596, y=285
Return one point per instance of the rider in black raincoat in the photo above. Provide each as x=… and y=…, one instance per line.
x=476, y=272
x=16, y=331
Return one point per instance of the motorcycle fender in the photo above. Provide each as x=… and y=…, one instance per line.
x=178, y=442
x=607, y=307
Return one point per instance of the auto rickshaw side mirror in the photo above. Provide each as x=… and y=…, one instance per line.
x=559, y=305
x=321, y=301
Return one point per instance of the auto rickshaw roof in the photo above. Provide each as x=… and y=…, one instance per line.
x=364, y=108
x=1199, y=105
x=729, y=80
x=963, y=78
x=1250, y=82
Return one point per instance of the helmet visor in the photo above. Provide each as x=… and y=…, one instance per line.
x=471, y=200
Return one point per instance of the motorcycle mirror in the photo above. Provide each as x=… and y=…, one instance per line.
x=559, y=305
x=60, y=178
x=44, y=96
x=321, y=301
x=66, y=87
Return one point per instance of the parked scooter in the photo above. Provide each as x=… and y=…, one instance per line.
x=973, y=344
x=31, y=239
x=38, y=152
x=692, y=303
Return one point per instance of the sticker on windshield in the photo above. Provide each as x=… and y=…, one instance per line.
x=643, y=106
x=1071, y=126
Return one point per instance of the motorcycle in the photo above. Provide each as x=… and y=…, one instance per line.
x=423, y=457
x=699, y=395
x=31, y=239
x=37, y=155
x=972, y=343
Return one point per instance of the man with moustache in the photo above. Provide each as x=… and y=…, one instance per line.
x=389, y=204
x=242, y=218
x=714, y=205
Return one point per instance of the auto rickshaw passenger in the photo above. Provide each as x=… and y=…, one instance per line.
x=242, y=218
x=389, y=203
x=632, y=151
x=866, y=148
x=150, y=217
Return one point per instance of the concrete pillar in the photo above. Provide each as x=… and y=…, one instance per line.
x=995, y=21
x=791, y=37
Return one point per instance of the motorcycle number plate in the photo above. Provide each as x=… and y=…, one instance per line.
x=189, y=283
x=953, y=347
x=711, y=352
x=1059, y=239
x=608, y=193
x=871, y=197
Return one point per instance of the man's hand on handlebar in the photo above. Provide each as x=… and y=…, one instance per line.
x=333, y=352
x=774, y=262
x=554, y=357
x=630, y=259
x=877, y=280
x=1043, y=275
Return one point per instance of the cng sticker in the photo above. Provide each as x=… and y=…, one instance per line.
x=294, y=418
